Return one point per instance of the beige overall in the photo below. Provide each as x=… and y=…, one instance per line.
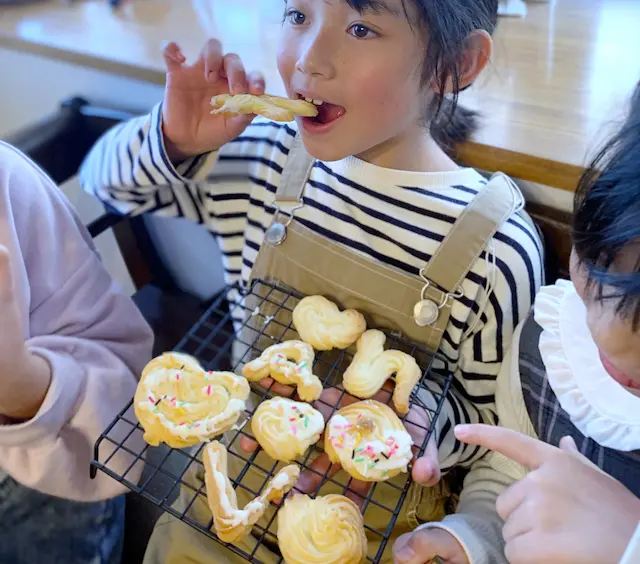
x=312, y=264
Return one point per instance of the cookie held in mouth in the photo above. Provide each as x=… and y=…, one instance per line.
x=271, y=107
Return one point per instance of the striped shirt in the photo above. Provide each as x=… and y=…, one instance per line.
x=395, y=217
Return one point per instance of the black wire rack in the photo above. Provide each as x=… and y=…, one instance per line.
x=237, y=327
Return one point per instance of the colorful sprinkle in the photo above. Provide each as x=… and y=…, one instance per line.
x=208, y=390
x=159, y=400
x=306, y=422
x=292, y=418
x=383, y=454
x=371, y=465
x=359, y=459
x=294, y=430
x=153, y=401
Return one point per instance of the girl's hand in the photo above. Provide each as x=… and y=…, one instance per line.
x=426, y=469
x=24, y=377
x=566, y=509
x=188, y=126
x=426, y=546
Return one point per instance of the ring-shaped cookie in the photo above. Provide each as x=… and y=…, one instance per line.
x=369, y=441
x=180, y=404
x=231, y=523
x=372, y=366
x=290, y=363
x=285, y=428
x=325, y=530
x=320, y=323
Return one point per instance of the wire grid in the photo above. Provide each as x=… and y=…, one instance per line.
x=211, y=341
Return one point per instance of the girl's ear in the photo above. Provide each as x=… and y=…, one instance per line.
x=473, y=60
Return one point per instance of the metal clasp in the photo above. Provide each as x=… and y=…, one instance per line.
x=277, y=231
x=427, y=311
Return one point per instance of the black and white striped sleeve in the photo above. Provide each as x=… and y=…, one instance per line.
x=129, y=170
x=515, y=268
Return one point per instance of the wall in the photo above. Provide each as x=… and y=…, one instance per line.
x=34, y=89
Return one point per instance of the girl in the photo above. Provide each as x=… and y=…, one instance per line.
x=71, y=346
x=380, y=188
x=574, y=370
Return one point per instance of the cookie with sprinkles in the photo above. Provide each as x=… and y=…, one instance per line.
x=289, y=363
x=285, y=428
x=369, y=441
x=179, y=403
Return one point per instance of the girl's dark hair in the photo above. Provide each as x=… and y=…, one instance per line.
x=607, y=217
x=447, y=24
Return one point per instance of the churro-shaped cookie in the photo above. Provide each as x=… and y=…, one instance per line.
x=271, y=107
x=372, y=366
x=289, y=363
x=180, y=404
x=231, y=523
x=370, y=442
x=327, y=530
x=286, y=428
x=320, y=323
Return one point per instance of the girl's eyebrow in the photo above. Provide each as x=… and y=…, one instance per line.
x=379, y=7
x=376, y=7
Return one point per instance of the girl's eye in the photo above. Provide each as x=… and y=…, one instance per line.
x=362, y=31
x=295, y=17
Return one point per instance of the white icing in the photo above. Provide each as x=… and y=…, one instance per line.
x=368, y=459
x=202, y=428
x=280, y=481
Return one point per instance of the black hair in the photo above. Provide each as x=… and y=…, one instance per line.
x=447, y=24
x=607, y=217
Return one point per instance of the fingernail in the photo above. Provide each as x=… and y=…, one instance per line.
x=240, y=88
x=405, y=555
x=461, y=430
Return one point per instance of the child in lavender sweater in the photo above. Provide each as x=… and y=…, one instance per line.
x=71, y=347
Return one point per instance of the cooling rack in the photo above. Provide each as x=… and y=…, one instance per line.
x=236, y=328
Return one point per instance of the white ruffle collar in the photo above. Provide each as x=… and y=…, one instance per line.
x=598, y=406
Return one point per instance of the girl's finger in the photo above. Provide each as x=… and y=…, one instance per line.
x=211, y=58
x=426, y=470
x=173, y=57
x=247, y=444
x=276, y=388
x=256, y=83
x=358, y=491
x=319, y=470
x=235, y=73
x=513, y=497
x=520, y=522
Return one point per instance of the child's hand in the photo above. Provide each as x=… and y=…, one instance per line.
x=426, y=469
x=188, y=126
x=566, y=509
x=24, y=377
x=422, y=547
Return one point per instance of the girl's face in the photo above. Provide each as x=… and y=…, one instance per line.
x=614, y=336
x=365, y=67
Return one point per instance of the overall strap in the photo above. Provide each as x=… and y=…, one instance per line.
x=294, y=176
x=472, y=232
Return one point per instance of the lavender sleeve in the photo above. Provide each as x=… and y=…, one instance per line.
x=74, y=316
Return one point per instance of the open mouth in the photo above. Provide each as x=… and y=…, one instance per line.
x=327, y=112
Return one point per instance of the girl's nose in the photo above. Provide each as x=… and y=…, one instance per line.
x=317, y=58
